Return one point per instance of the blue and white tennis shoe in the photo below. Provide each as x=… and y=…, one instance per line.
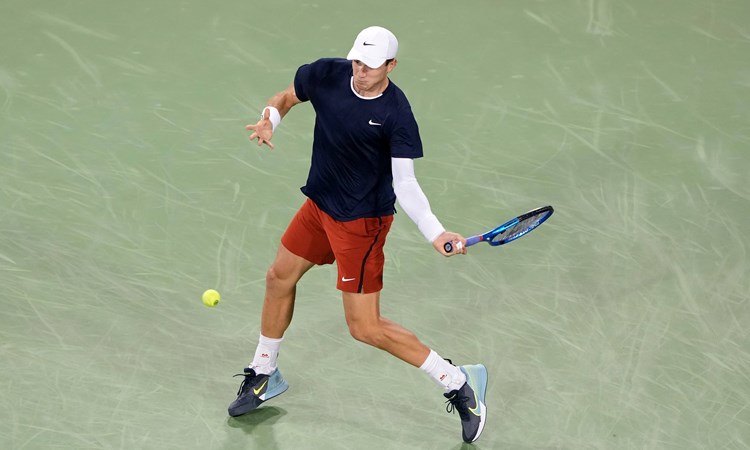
x=469, y=401
x=256, y=389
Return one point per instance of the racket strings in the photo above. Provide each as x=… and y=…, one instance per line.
x=520, y=228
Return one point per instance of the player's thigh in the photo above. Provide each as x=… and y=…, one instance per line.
x=361, y=310
x=287, y=267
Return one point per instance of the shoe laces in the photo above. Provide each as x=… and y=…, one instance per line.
x=247, y=382
x=458, y=403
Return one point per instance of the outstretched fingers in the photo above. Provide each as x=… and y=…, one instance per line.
x=260, y=133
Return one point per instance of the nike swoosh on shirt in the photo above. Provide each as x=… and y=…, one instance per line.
x=375, y=123
x=257, y=391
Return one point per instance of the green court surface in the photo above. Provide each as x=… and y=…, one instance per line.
x=128, y=187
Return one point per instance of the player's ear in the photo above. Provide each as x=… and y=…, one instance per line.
x=391, y=64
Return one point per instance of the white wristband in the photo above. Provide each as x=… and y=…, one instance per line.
x=273, y=116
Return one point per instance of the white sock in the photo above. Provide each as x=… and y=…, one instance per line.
x=264, y=361
x=445, y=374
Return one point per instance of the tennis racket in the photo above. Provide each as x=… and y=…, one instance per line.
x=510, y=230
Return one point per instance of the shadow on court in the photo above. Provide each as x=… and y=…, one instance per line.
x=251, y=422
x=259, y=425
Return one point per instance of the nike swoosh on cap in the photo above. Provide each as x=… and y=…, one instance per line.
x=367, y=43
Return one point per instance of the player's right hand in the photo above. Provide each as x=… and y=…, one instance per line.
x=457, y=241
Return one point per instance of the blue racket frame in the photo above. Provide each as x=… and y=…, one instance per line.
x=510, y=230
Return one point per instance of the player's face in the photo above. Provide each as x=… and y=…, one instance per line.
x=368, y=81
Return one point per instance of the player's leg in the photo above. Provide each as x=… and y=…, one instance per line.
x=281, y=290
x=303, y=245
x=463, y=386
x=358, y=246
x=262, y=379
x=362, y=313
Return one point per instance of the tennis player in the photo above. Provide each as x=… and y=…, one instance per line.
x=365, y=141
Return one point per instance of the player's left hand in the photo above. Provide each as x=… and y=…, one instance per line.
x=262, y=131
x=458, y=242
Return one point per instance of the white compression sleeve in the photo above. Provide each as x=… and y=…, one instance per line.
x=412, y=199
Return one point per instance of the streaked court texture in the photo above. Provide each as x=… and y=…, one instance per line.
x=128, y=187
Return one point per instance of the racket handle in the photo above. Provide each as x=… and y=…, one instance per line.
x=448, y=247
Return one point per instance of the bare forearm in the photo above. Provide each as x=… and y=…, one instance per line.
x=275, y=109
x=284, y=100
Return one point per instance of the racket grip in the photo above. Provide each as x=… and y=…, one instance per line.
x=448, y=247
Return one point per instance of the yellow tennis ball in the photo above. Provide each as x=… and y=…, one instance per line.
x=211, y=298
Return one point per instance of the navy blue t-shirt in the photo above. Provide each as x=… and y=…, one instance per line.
x=355, y=138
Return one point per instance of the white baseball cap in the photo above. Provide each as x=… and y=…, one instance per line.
x=373, y=46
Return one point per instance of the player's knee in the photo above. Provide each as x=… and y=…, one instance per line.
x=276, y=278
x=271, y=276
x=366, y=333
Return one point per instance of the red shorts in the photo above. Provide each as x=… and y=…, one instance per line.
x=356, y=246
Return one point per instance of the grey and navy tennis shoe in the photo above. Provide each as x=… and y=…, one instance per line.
x=469, y=401
x=256, y=389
